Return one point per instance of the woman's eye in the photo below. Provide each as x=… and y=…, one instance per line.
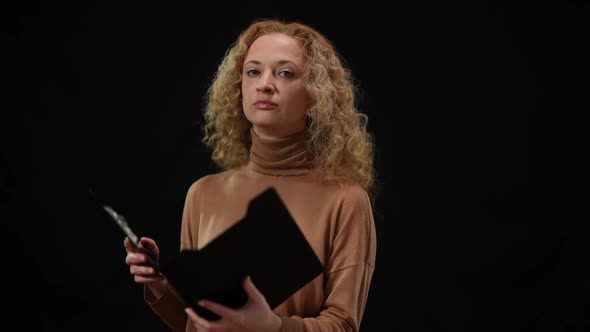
x=286, y=73
x=252, y=72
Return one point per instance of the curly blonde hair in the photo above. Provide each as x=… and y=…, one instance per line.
x=342, y=148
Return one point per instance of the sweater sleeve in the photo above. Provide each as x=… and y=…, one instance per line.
x=349, y=269
x=169, y=307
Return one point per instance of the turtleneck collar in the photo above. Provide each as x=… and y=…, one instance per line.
x=281, y=156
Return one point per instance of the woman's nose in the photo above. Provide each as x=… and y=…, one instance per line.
x=265, y=84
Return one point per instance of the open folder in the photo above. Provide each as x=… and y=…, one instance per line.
x=266, y=245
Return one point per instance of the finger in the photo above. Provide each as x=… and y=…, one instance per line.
x=146, y=271
x=253, y=292
x=129, y=245
x=146, y=280
x=135, y=259
x=200, y=322
x=220, y=310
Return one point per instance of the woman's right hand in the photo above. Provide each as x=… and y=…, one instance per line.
x=137, y=261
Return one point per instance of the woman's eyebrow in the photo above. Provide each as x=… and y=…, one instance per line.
x=281, y=62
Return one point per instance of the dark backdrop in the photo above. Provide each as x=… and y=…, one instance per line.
x=110, y=97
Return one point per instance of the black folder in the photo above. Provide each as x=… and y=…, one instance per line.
x=266, y=245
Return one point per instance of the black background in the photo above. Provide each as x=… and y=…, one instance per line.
x=110, y=97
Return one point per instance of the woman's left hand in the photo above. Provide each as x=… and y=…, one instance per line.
x=254, y=316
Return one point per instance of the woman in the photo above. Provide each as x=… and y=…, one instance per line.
x=281, y=113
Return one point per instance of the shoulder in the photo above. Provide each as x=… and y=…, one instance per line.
x=209, y=182
x=353, y=195
x=352, y=202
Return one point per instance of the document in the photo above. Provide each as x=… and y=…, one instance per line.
x=266, y=245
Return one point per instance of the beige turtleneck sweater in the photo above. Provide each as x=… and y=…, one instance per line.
x=336, y=220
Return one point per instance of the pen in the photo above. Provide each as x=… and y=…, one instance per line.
x=124, y=226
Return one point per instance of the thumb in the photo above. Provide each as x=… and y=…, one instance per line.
x=149, y=245
x=253, y=292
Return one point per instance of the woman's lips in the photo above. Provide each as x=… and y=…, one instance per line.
x=265, y=104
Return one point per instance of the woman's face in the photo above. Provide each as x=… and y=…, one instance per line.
x=274, y=97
